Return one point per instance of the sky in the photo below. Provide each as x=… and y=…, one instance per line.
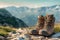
x=29, y=3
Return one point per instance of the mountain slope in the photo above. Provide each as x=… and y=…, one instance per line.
x=29, y=14
x=6, y=19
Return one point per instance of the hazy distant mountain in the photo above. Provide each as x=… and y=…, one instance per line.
x=29, y=15
x=6, y=19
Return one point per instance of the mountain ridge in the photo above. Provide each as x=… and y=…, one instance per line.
x=6, y=19
x=25, y=13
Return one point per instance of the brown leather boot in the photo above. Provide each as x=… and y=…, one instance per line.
x=49, y=24
x=40, y=23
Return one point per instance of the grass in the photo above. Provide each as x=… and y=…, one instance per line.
x=57, y=28
x=5, y=30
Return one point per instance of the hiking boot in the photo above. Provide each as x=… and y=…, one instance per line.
x=40, y=24
x=49, y=23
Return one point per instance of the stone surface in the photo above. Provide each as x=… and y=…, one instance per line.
x=57, y=35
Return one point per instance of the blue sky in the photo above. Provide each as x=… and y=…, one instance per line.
x=30, y=3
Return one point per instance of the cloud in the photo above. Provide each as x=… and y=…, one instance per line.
x=17, y=5
x=4, y=4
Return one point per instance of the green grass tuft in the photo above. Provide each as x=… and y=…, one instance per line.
x=5, y=30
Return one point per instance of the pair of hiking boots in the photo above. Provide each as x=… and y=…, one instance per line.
x=45, y=25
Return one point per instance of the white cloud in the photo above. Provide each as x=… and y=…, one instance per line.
x=22, y=4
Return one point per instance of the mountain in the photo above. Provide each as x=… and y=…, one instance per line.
x=29, y=15
x=6, y=19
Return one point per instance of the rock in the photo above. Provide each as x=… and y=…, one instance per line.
x=2, y=38
x=57, y=35
x=53, y=39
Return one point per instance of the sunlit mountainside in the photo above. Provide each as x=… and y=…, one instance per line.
x=14, y=18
